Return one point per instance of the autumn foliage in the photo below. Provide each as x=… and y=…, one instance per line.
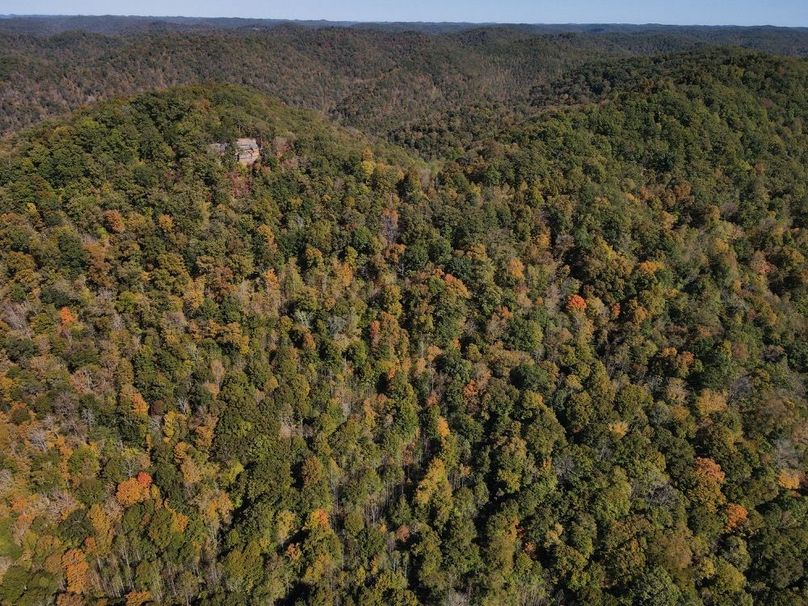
x=576, y=303
x=134, y=490
x=76, y=570
x=548, y=357
x=737, y=515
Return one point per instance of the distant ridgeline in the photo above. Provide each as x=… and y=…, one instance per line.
x=563, y=361
x=116, y=24
x=434, y=88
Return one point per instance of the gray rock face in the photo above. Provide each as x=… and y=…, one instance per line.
x=248, y=151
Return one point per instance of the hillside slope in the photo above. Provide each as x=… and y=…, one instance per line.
x=567, y=367
x=377, y=78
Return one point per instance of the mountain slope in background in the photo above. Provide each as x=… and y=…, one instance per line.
x=379, y=78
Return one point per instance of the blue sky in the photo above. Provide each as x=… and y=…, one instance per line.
x=685, y=12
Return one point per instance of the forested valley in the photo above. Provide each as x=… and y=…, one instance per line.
x=500, y=316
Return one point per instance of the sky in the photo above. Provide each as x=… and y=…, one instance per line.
x=679, y=12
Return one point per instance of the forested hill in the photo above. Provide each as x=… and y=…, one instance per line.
x=377, y=78
x=44, y=25
x=566, y=365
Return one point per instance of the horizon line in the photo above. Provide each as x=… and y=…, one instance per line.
x=372, y=22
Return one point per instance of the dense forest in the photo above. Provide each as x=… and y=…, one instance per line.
x=538, y=338
x=382, y=79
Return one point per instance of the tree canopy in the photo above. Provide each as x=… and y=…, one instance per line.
x=564, y=365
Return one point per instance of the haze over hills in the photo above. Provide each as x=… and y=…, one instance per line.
x=380, y=78
x=117, y=24
x=498, y=315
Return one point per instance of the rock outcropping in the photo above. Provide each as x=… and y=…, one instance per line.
x=248, y=151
